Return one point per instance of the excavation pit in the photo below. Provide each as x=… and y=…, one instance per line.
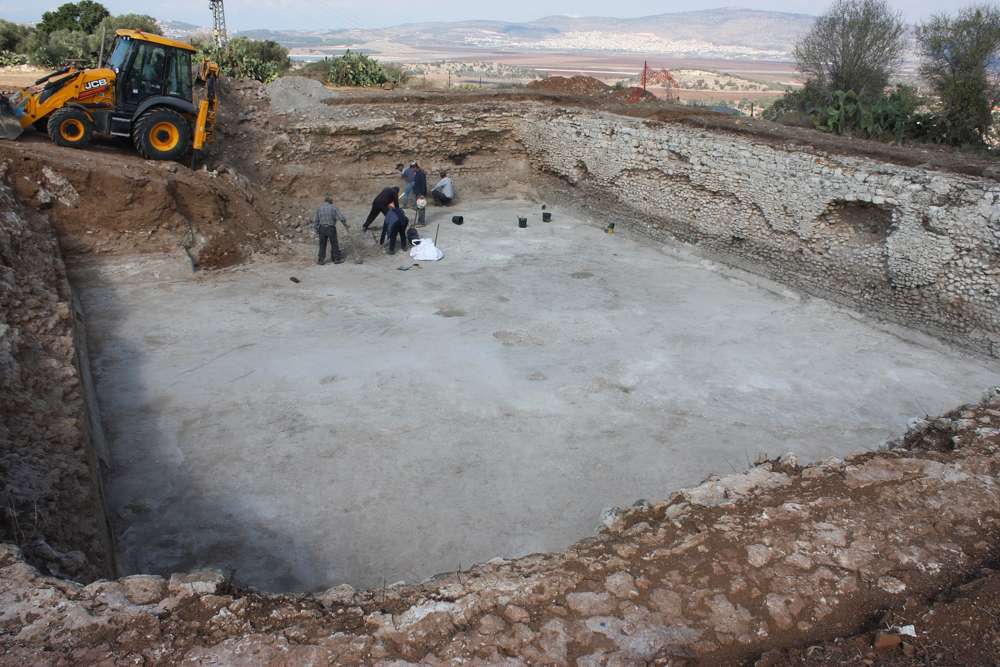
x=367, y=425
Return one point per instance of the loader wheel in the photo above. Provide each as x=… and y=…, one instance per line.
x=162, y=134
x=70, y=127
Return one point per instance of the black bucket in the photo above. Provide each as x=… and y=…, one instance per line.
x=546, y=217
x=522, y=222
x=457, y=219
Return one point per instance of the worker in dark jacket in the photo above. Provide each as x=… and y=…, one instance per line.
x=327, y=216
x=394, y=227
x=381, y=204
x=420, y=191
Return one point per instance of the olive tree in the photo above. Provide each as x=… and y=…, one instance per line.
x=958, y=55
x=855, y=46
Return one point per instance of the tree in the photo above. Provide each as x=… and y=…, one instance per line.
x=855, y=46
x=958, y=54
x=56, y=48
x=83, y=16
x=13, y=36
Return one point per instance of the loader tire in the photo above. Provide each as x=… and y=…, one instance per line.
x=70, y=127
x=162, y=134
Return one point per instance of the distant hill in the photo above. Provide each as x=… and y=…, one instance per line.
x=726, y=33
x=180, y=29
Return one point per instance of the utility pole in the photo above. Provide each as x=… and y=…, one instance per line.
x=645, y=74
x=219, y=23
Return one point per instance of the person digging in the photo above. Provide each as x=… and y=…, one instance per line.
x=381, y=205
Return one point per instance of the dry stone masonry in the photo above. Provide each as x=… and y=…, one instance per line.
x=919, y=247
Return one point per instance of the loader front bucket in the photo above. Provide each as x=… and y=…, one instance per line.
x=10, y=125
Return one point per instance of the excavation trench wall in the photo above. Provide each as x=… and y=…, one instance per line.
x=919, y=247
x=51, y=440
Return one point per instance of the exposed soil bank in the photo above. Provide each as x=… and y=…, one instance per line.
x=50, y=482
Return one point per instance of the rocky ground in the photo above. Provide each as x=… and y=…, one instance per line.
x=740, y=567
x=48, y=470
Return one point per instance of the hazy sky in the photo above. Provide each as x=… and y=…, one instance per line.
x=247, y=14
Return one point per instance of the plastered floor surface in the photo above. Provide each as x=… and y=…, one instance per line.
x=370, y=425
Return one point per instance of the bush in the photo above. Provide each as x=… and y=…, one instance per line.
x=359, y=70
x=243, y=58
x=10, y=59
x=887, y=118
x=892, y=117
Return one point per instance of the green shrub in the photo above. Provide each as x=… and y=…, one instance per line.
x=892, y=117
x=361, y=71
x=243, y=58
x=9, y=59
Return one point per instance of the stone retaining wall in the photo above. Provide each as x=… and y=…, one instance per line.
x=918, y=247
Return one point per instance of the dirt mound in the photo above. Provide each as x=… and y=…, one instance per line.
x=572, y=85
x=633, y=95
x=588, y=86
x=291, y=94
x=110, y=201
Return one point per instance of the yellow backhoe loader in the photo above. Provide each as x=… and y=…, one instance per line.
x=143, y=91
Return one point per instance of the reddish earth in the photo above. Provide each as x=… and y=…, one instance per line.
x=586, y=86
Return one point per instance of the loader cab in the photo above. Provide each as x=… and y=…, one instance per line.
x=149, y=67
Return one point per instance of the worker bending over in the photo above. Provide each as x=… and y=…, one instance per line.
x=381, y=204
x=327, y=216
x=394, y=227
